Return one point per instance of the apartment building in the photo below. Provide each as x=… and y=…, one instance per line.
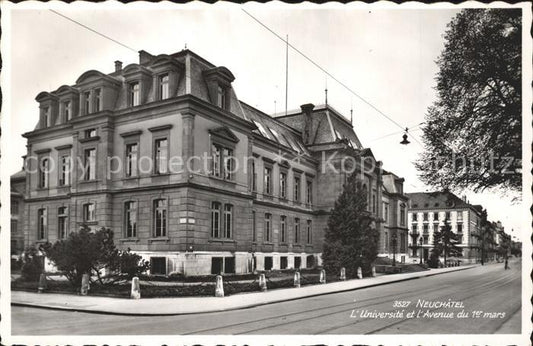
x=428, y=212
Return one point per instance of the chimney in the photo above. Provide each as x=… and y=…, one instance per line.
x=144, y=57
x=118, y=66
x=307, y=110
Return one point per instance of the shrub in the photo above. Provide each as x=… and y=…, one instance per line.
x=33, y=265
x=87, y=252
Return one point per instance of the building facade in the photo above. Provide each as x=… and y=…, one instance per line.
x=429, y=211
x=18, y=185
x=395, y=233
x=186, y=175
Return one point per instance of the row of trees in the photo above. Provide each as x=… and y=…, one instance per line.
x=85, y=252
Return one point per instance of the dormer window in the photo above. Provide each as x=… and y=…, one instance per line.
x=135, y=94
x=67, y=112
x=46, y=117
x=221, y=97
x=97, y=99
x=164, y=87
x=218, y=81
x=87, y=102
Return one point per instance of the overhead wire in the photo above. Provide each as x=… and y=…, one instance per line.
x=93, y=30
x=324, y=70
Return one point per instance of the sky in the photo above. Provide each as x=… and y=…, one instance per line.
x=386, y=56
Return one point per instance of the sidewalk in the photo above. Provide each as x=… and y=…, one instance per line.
x=194, y=305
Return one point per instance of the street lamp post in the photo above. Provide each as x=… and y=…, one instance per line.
x=394, y=238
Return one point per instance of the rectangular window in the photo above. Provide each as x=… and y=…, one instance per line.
x=268, y=227
x=64, y=170
x=425, y=216
x=221, y=97
x=448, y=216
x=97, y=100
x=135, y=94
x=254, y=229
x=87, y=103
x=131, y=159
x=296, y=189
x=309, y=232
x=268, y=181
x=14, y=226
x=161, y=156
x=283, y=229
x=164, y=87
x=309, y=192
x=283, y=185
x=386, y=211
x=402, y=215
x=228, y=220
x=283, y=262
x=415, y=216
x=90, y=163
x=435, y=216
x=14, y=207
x=89, y=212
x=426, y=239
x=46, y=117
x=216, y=152
x=229, y=163
x=160, y=218
x=459, y=216
x=158, y=265
x=435, y=227
x=62, y=222
x=459, y=228
x=254, y=177
x=130, y=213
x=215, y=220
x=44, y=169
x=67, y=112
x=42, y=224
x=374, y=202
x=90, y=133
x=296, y=231
x=425, y=229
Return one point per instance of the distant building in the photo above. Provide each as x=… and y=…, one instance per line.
x=395, y=234
x=18, y=185
x=428, y=212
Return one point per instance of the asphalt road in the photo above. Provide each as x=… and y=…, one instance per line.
x=490, y=289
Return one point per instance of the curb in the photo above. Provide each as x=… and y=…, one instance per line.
x=248, y=306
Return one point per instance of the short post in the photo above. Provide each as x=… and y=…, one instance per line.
x=296, y=279
x=322, y=279
x=343, y=274
x=359, y=273
x=373, y=271
x=42, y=283
x=219, y=290
x=84, y=284
x=262, y=282
x=135, y=289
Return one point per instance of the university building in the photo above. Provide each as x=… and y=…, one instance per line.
x=428, y=212
x=188, y=176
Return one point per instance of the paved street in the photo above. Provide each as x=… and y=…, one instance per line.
x=490, y=289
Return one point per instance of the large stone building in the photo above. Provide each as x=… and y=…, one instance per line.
x=428, y=211
x=187, y=175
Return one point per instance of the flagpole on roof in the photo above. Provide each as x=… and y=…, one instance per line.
x=286, y=73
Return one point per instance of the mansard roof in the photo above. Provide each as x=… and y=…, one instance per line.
x=438, y=200
x=95, y=75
